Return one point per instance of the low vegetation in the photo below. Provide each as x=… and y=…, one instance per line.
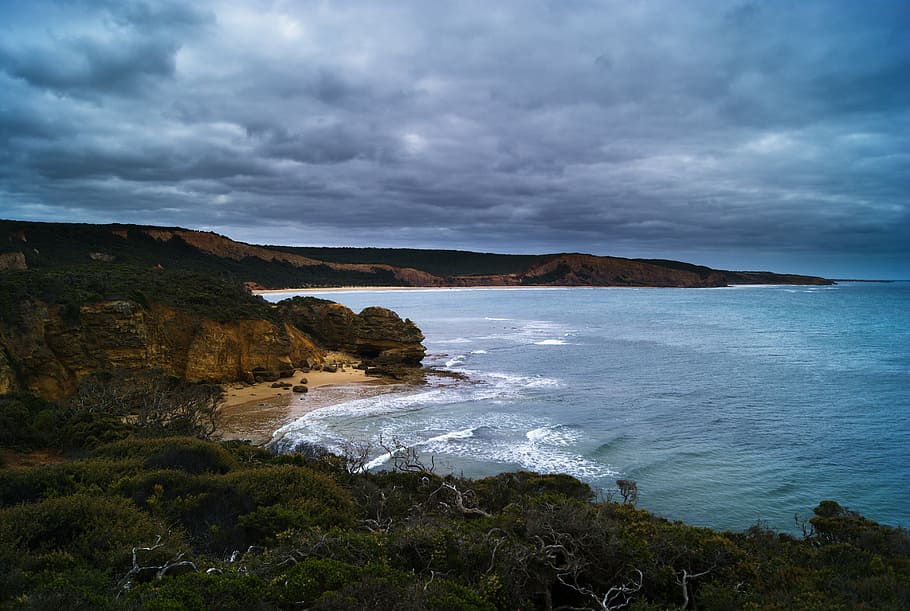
x=137, y=519
x=75, y=286
x=439, y=262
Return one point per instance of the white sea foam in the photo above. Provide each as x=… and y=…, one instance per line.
x=553, y=435
x=462, y=434
x=551, y=342
x=479, y=352
x=545, y=449
x=455, y=361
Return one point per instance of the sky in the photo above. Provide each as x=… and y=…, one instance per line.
x=740, y=135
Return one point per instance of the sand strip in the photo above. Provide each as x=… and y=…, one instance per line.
x=254, y=411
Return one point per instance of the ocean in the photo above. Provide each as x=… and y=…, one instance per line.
x=727, y=406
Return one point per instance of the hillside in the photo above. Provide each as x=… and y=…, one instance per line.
x=34, y=245
x=180, y=523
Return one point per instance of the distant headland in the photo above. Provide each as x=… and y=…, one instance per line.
x=35, y=245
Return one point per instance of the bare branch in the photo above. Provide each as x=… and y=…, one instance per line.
x=355, y=455
x=146, y=573
x=683, y=579
x=460, y=500
x=406, y=459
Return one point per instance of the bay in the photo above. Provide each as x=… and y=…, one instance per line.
x=726, y=406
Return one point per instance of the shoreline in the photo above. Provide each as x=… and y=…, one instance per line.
x=253, y=412
x=507, y=287
x=347, y=289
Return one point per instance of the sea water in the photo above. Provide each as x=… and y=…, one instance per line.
x=726, y=406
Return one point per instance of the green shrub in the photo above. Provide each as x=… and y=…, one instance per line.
x=377, y=587
x=66, y=587
x=227, y=592
x=101, y=531
x=192, y=456
x=309, y=579
x=521, y=486
x=84, y=430
x=187, y=454
x=71, y=552
x=49, y=481
x=280, y=484
x=26, y=422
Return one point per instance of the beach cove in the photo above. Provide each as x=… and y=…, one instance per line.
x=253, y=412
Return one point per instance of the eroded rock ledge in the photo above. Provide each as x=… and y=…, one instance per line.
x=48, y=349
x=377, y=336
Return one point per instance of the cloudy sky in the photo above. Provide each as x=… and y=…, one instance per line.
x=747, y=135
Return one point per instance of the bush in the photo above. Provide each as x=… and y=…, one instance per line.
x=88, y=476
x=80, y=430
x=26, y=422
x=309, y=579
x=519, y=487
x=187, y=454
x=280, y=484
x=63, y=587
x=202, y=591
x=101, y=531
x=70, y=552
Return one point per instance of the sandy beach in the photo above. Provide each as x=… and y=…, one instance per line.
x=254, y=411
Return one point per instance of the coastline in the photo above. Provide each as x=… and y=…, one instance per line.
x=253, y=412
x=507, y=287
x=348, y=289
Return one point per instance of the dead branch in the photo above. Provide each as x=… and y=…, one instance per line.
x=683, y=579
x=139, y=573
x=355, y=455
x=405, y=458
x=460, y=500
x=616, y=597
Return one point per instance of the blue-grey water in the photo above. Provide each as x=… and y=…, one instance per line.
x=727, y=406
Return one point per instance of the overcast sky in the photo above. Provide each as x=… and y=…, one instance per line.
x=747, y=135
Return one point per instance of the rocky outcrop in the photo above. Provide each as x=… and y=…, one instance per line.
x=49, y=350
x=382, y=337
x=376, y=335
x=12, y=260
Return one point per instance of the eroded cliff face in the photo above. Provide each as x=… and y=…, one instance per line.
x=12, y=260
x=376, y=335
x=49, y=349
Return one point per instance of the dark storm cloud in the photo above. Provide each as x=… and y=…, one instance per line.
x=729, y=133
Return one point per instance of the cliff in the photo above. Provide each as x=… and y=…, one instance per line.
x=376, y=335
x=47, y=346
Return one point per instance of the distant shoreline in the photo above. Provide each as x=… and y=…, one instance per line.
x=507, y=287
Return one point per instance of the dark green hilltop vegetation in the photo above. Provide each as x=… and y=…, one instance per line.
x=35, y=245
x=65, y=245
x=439, y=262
